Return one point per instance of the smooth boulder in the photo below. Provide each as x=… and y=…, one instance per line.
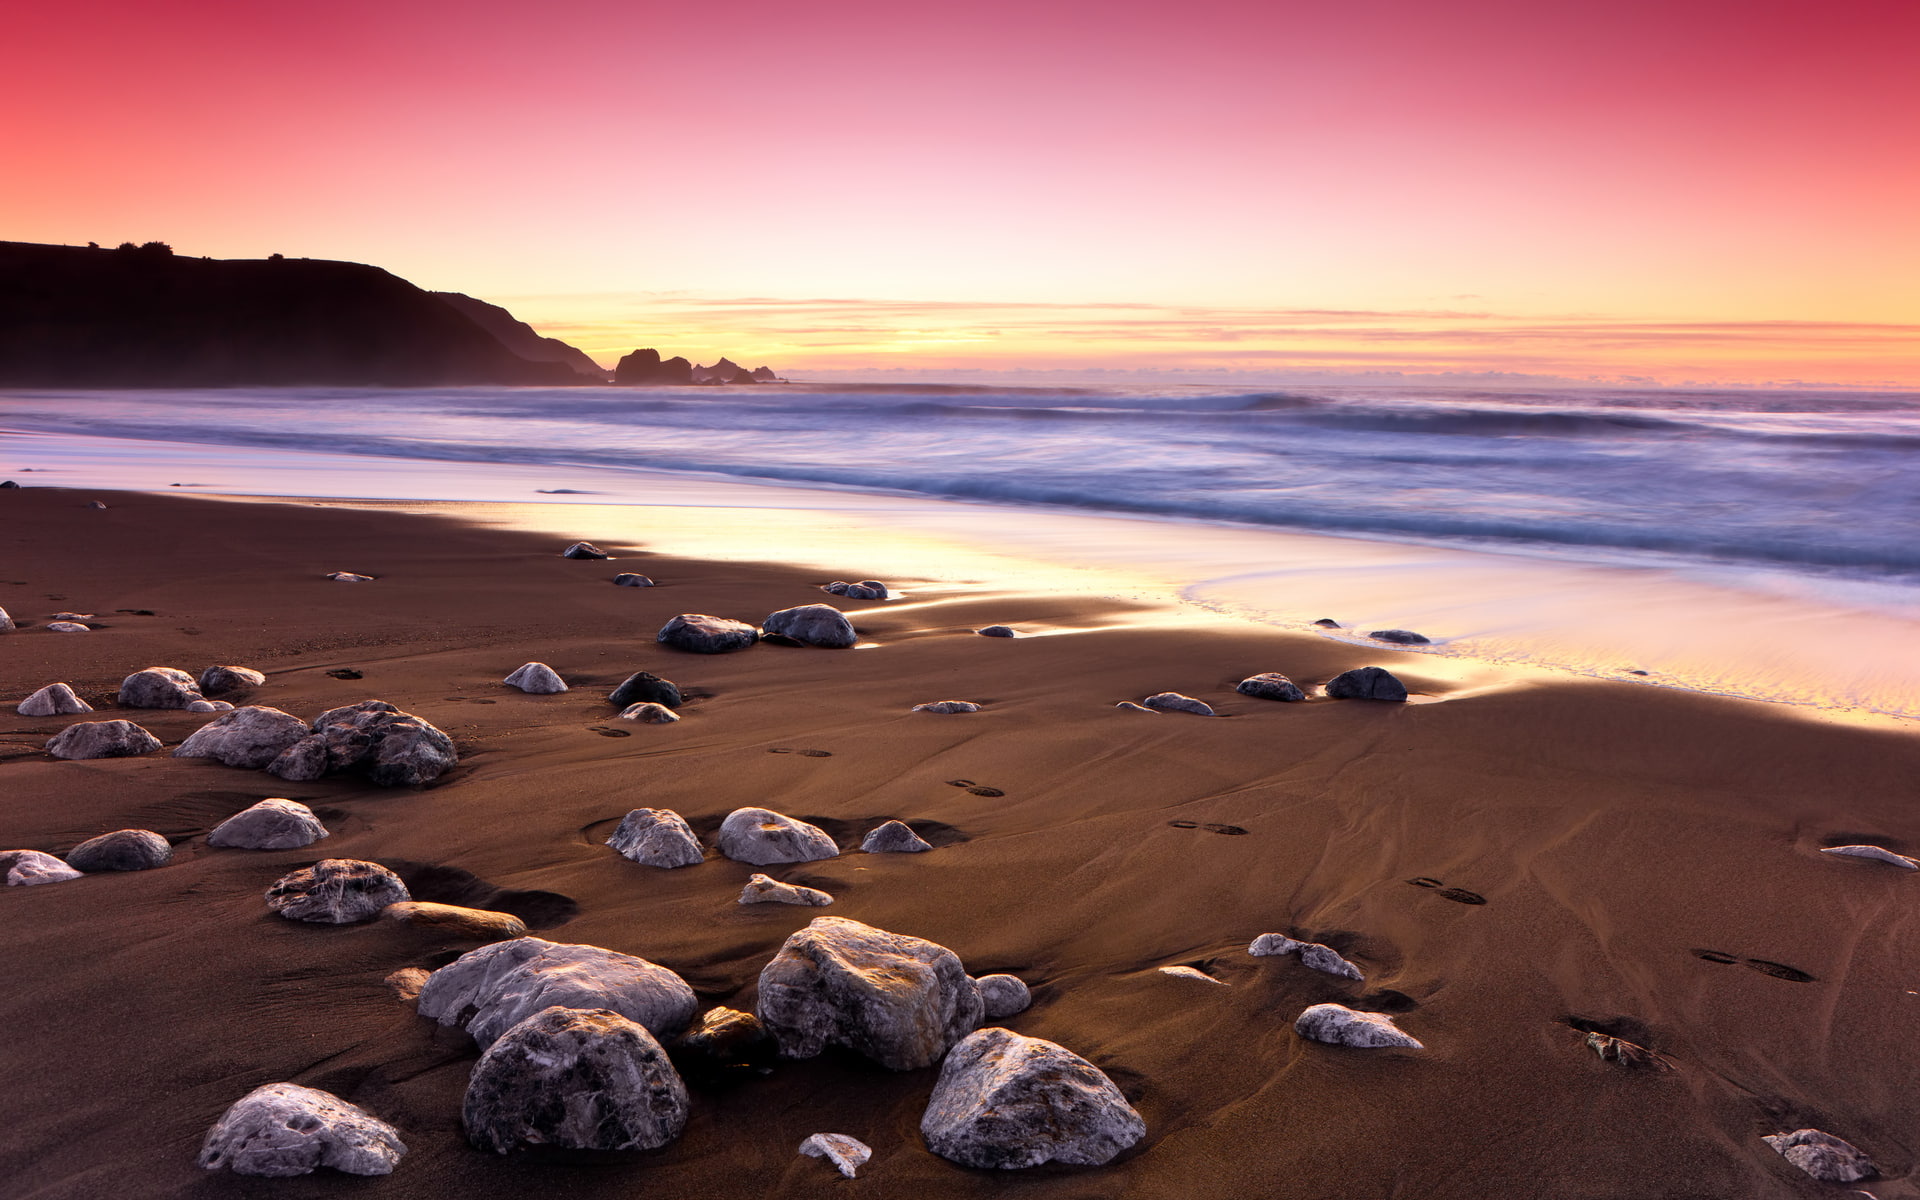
x=217, y=679
x=489, y=990
x=901, y=1001
x=1175, y=702
x=1822, y=1155
x=702, y=634
x=121, y=850
x=536, y=678
x=394, y=748
x=1401, y=637
x=158, y=687
x=1366, y=683
x=1270, y=685
x=53, y=700
x=250, y=737
x=812, y=625
x=336, y=891
x=763, y=837
x=578, y=1079
x=629, y=579
x=1007, y=1101
x=68, y=627
x=455, y=920
x=1002, y=995
x=644, y=687
x=102, y=739
x=30, y=868
x=657, y=837
x=272, y=824
x=282, y=1129
x=894, y=837
x=1338, y=1025
x=765, y=889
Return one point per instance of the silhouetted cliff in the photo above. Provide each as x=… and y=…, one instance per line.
x=520, y=337
x=142, y=317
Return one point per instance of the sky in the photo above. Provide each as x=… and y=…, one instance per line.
x=1675, y=191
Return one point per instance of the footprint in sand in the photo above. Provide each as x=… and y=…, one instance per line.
x=1762, y=965
x=1457, y=895
x=346, y=673
x=977, y=789
x=1210, y=827
x=802, y=753
x=609, y=731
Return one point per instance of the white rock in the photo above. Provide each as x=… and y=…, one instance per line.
x=1877, y=853
x=249, y=737
x=216, y=679
x=273, y=824
x=1003, y=995
x=948, y=706
x=6, y=622
x=1312, y=954
x=28, y=868
x=762, y=837
x=489, y=990
x=657, y=837
x=765, y=889
x=1175, y=702
x=1130, y=706
x=283, y=1129
x=1822, y=1155
x=1338, y=1025
x=1190, y=973
x=67, y=627
x=1009, y=1101
x=649, y=713
x=348, y=577
x=1269, y=944
x=537, y=678
x=849, y=1154
x=53, y=700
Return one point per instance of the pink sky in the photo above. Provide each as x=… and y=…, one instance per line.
x=1705, y=190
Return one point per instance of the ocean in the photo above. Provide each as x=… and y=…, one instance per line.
x=1765, y=498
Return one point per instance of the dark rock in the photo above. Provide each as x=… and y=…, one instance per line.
x=644, y=687
x=813, y=625
x=702, y=634
x=866, y=589
x=657, y=837
x=9, y=484
x=1822, y=1155
x=283, y=1129
x=272, y=824
x=763, y=837
x=724, y=1046
x=1270, y=685
x=455, y=920
x=645, y=368
x=1327, y=623
x=894, y=837
x=901, y=1001
x=394, y=748
x=849, y=1154
x=121, y=850
x=1401, y=637
x=579, y=1079
x=584, y=550
x=536, y=678
x=249, y=737
x=1002, y=995
x=1008, y=1101
x=158, y=687
x=765, y=375
x=102, y=739
x=336, y=891
x=1338, y=1025
x=29, y=868
x=486, y=991
x=218, y=679
x=53, y=700
x=1366, y=683
x=1175, y=702
x=999, y=631
x=629, y=579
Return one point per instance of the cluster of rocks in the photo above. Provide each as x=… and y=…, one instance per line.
x=660, y=837
x=1361, y=683
x=1311, y=954
x=271, y=824
x=645, y=368
x=866, y=589
x=819, y=625
x=392, y=748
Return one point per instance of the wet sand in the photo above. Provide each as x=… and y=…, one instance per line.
x=1614, y=832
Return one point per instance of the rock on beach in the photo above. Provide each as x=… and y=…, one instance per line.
x=649, y=714
x=394, y=748
x=1366, y=683
x=217, y=679
x=158, y=687
x=30, y=868
x=1338, y=1025
x=282, y=1129
x=102, y=739
x=765, y=889
x=763, y=837
x=1007, y=1101
x=455, y=920
x=584, y=550
x=657, y=837
x=489, y=990
x=644, y=687
x=702, y=634
x=948, y=707
x=847, y=1153
x=579, y=1079
x=629, y=579
x=819, y=625
x=1175, y=702
x=1002, y=995
x=894, y=837
x=249, y=737
x=336, y=891
x=273, y=824
x=121, y=850
x=1270, y=685
x=1822, y=1155
x=53, y=700
x=536, y=678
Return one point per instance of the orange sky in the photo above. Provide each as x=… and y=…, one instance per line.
x=1685, y=190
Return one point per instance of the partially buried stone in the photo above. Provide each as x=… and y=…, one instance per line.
x=348, y=577
x=579, y=1079
x=657, y=837
x=702, y=634
x=210, y=706
x=948, y=706
x=1175, y=702
x=765, y=889
x=762, y=837
x=218, y=679
x=1009, y=1101
x=67, y=627
x=536, y=678
x=866, y=589
x=29, y=868
x=158, y=687
x=336, y=891
x=121, y=850
x=649, y=714
x=489, y=990
x=272, y=824
x=455, y=919
x=1270, y=685
x=1193, y=973
x=629, y=579
x=894, y=837
x=1324, y=959
x=53, y=700
x=1002, y=995
x=1366, y=683
x=1338, y=1025
x=1327, y=623
x=999, y=631
x=250, y=737
x=584, y=550
x=102, y=739
x=394, y=748
x=1401, y=637
x=812, y=625
x=283, y=1129
x=1822, y=1155
x=6, y=622
x=1130, y=706
x=724, y=1046
x=96, y=504
x=1269, y=945
x=848, y=1154
x=900, y=1001
x=644, y=687
x=406, y=983
x=1877, y=853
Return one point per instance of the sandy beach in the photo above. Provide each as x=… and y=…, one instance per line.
x=1616, y=833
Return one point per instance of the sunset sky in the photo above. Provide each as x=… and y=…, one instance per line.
x=1680, y=190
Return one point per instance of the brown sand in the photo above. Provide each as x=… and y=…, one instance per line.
x=1613, y=831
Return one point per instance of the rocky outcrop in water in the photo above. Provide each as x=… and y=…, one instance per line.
x=645, y=368
x=283, y=1129
x=1007, y=1101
